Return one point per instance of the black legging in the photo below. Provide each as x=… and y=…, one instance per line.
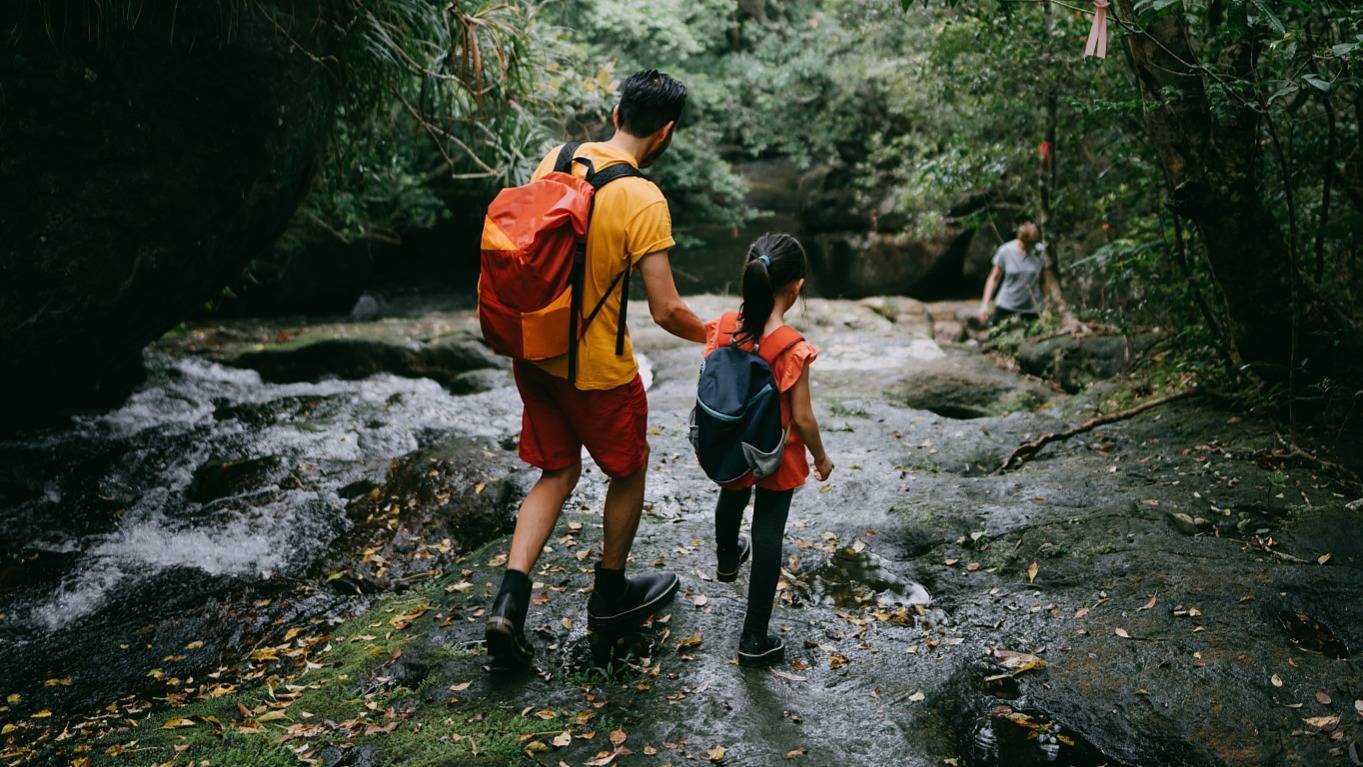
x=768, y=530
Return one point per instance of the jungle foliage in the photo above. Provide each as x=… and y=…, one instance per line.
x=929, y=110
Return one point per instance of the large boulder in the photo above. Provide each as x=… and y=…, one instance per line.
x=444, y=360
x=143, y=165
x=1075, y=361
x=856, y=264
x=858, y=251
x=967, y=385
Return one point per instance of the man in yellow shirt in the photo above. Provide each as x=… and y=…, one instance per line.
x=607, y=410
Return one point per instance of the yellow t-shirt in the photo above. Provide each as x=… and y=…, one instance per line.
x=629, y=220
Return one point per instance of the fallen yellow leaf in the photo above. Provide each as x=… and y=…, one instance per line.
x=401, y=622
x=1322, y=722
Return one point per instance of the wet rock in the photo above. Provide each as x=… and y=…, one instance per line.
x=436, y=504
x=966, y=386
x=147, y=158
x=948, y=332
x=852, y=264
x=909, y=314
x=443, y=360
x=220, y=477
x=476, y=381
x=350, y=756
x=1074, y=361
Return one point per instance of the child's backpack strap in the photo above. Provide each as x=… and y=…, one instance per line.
x=778, y=342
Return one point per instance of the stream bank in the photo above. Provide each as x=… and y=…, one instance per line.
x=1168, y=590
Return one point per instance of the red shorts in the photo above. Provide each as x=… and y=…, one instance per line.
x=560, y=419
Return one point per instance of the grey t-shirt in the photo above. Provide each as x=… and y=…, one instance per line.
x=1021, y=288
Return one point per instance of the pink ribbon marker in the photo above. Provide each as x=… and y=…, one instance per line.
x=1097, y=44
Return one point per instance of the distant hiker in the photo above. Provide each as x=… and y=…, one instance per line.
x=574, y=366
x=752, y=423
x=1022, y=274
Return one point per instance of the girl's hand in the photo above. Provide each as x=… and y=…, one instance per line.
x=823, y=467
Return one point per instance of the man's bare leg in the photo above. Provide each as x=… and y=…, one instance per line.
x=506, y=642
x=624, y=506
x=539, y=513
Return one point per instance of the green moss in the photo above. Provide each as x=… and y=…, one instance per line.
x=355, y=651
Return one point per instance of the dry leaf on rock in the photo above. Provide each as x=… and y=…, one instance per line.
x=1322, y=722
x=401, y=622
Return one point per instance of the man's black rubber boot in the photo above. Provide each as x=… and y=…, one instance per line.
x=761, y=651
x=506, y=642
x=620, y=603
x=727, y=572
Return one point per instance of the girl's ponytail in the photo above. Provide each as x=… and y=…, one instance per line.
x=774, y=261
x=758, y=296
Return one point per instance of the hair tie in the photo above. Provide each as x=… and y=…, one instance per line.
x=765, y=259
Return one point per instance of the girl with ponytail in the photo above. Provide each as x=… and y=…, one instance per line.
x=773, y=280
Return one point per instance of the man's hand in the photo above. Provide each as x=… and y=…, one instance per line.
x=667, y=307
x=823, y=468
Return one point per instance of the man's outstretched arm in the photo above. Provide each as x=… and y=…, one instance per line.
x=667, y=307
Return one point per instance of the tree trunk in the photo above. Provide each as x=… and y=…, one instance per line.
x=1209, y=159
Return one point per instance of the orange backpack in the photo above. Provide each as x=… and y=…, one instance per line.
x=534, y=257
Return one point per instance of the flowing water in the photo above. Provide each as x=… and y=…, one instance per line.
x=206, y=468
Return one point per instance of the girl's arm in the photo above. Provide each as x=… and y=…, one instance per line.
x=807, y=426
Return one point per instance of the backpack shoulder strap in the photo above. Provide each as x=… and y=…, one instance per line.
x=777, y=343
x=564, y=163
x=599, y=178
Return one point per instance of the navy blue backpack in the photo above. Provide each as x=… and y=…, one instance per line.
x=736, y=424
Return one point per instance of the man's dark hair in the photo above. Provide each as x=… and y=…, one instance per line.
x=648, y=101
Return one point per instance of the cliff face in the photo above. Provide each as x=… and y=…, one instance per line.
x=144, y=161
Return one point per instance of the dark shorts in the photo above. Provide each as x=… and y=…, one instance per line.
x=1000, y=314
x=560, y=419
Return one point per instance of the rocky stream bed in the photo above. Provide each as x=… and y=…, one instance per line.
x=279, y=551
